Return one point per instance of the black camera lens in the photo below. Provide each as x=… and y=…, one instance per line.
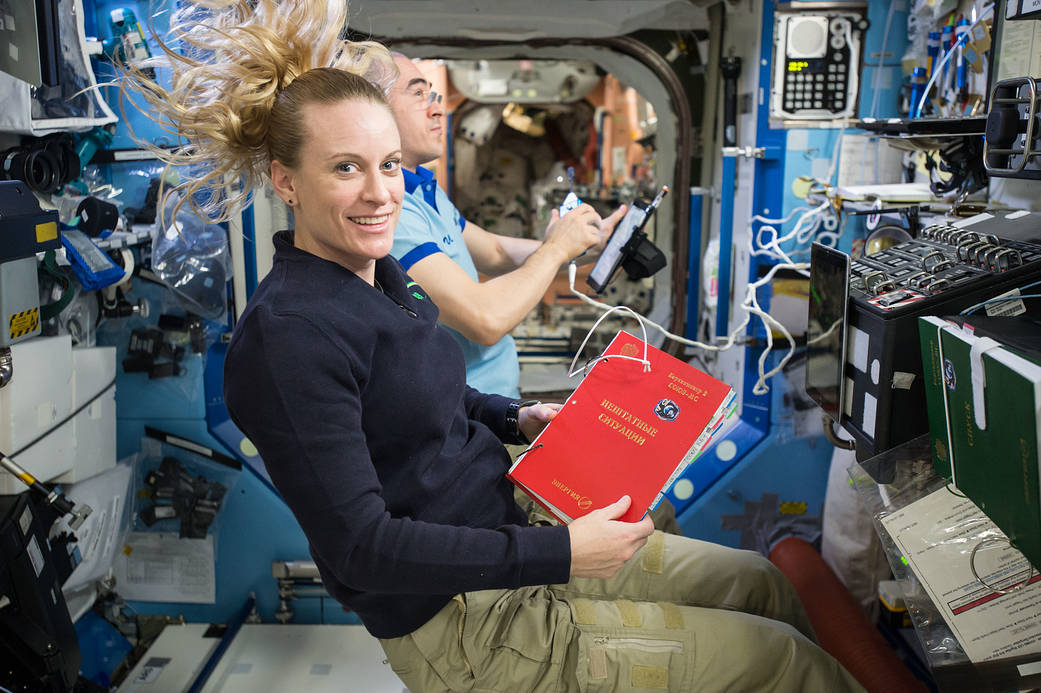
x=43, y=172
x=68, y=161
x=37, y=168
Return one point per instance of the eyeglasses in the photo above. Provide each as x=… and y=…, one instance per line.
x=424, y=97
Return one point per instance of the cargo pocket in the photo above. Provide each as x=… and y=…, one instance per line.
x=622, y=660
x=528, y=644
x=411, y=666
x=439, y=642
x=529, y=624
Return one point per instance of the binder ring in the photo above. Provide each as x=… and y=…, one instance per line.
x=953, y=491
x=998, y=590
x=528, y=449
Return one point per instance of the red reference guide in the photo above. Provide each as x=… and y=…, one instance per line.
x=623, y=431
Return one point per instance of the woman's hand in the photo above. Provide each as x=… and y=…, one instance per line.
x=600, y=544
x=531, y=420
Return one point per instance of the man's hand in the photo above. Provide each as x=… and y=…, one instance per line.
x=607, y=227
x=576, y=232
x=531, y=420
x=600, y=544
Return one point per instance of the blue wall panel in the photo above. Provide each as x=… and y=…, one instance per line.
x=770, y=465
x=794, y=471
x=253, y=526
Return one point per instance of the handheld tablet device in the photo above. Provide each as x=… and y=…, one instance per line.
x=627, y=240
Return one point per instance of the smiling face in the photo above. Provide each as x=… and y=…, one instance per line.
x=418, y=117
x=346, y=190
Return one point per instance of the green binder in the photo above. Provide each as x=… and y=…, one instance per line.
x=985, y=413
x=932, y=372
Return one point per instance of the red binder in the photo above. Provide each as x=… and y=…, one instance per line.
x=624, y=430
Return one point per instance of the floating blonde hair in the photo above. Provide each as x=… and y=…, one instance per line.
x=229, y=61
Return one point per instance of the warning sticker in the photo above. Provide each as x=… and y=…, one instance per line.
x=24, y=323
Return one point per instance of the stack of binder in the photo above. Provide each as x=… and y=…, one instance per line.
x=984, y=403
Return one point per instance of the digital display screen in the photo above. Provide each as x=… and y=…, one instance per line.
x=797, y=65
x=611, y=257
x=826, y=328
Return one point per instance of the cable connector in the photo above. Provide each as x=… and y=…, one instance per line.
x=54, y=499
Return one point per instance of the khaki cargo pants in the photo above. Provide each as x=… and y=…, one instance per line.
x=682, y=615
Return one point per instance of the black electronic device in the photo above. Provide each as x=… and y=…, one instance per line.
x=45, y=164
x=33, y=41
x=826, y=328
x=1012, y=141
x=39, y=651
x=926, y=126
x=949, y=268
x=628, y=247
x=817, y=53
x=97, y=217
x=27, y=228
x=48, y=37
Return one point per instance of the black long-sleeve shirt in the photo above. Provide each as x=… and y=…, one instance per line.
x=356, y=401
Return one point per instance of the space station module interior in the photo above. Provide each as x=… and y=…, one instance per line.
x=833, y=208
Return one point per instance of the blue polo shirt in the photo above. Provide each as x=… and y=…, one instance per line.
x=429, y=224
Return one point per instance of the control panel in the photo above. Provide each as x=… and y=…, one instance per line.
x=816, y=70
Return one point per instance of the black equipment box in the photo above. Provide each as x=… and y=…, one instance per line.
x=949, y=268
x=38, y=646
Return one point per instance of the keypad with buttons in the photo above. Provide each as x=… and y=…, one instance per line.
x=819, y=85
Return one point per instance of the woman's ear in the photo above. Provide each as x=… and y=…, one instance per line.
x=282, y=181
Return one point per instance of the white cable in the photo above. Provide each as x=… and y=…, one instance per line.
x=806, y=227
x=768, y=220
x=750, y=306
x=803, y=233
x=639, y=318
x=939, y=67
x=854, y=74
x=128, y=265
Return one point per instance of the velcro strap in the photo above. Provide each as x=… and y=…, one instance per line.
x=585, y=611
x=631, y=617
x=597, y=663
x=673, y=615
x=650, y=677
x=653, y=557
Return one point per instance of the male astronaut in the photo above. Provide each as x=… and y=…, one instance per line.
x=444, y=252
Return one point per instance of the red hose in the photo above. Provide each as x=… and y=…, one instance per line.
x=842, y=628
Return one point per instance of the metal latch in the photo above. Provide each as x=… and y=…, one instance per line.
x=747, y=152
